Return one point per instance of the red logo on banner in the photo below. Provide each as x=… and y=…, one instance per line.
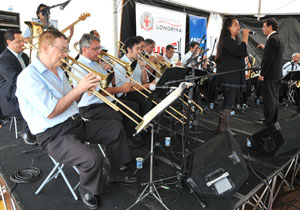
x=147, y=21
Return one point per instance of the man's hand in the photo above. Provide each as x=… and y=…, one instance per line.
x=261, y=78
x=261, y=46
x=127, y=87
x=88, y=83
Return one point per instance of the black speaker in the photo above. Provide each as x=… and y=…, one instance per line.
x=8, y=20
x=278, y=138
x=218, y=168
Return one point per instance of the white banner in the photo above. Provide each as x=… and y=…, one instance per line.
x=162, y=25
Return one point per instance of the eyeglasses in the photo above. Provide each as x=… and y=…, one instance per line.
x=95, y=48
x=63, y=50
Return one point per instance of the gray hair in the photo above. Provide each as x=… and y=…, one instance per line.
x=295, y=54
x=86, y=41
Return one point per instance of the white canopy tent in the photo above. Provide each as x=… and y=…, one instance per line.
x=106, y=14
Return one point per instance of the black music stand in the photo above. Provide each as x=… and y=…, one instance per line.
x=292, y=75
x=169, y=74
x=147, y=122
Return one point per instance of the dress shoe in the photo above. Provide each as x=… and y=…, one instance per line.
x=262, y=119
x=91, y=201
x=133, y=144
x=121, y=180
x=28, y=138
x=259, y=122
x=123, y=168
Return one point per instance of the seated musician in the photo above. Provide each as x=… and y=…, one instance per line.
x=133, y=50
x=168, y=56
x=289, y=66
x=42, y=19
x=49, y=105
x=193, y=47
x=92, y=107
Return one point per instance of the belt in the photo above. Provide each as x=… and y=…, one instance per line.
x=74, y=117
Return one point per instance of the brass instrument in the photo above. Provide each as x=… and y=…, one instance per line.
x=97, y=94
x=104, y=79
x=159, y=73
x=128, y=66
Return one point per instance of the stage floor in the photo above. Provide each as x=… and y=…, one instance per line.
x=56, y=195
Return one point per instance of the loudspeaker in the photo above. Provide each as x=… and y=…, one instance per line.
x=8, y=20
x=218, y=167
x=278, y=138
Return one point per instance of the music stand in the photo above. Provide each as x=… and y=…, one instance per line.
x=292, y=75
x=169, y=74
x=147, y=122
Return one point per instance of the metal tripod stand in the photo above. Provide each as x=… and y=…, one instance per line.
x=150, y=189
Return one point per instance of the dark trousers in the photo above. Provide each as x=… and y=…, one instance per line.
x=271, y=100
x=64, y=142
x=145, y=105
x=229, y=94
x=105, y=112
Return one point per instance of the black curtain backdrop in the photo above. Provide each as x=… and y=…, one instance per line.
x=289, y=31
x=128, y=27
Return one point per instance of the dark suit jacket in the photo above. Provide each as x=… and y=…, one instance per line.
x=10, y=68
x=271, y=67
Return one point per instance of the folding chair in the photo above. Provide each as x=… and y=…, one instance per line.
x=58, y=170
x=13, y=120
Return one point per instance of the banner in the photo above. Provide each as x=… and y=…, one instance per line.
x=162, y=25
x=198, y=28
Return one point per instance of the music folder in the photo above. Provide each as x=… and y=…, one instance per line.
x=162, y=106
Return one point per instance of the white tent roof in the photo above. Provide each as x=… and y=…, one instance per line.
x=250, y=7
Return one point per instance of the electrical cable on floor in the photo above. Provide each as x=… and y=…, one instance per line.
x=26, y=175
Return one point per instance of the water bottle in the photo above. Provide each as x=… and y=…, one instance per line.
x=248, y=142
x=211, y=106
x=257, y=101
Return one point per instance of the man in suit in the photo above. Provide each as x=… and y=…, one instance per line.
x=271, y=70
x=12, y=61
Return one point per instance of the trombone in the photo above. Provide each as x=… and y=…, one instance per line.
x=159, y=72
x=102, y=87
x=89, y=70
x=101, y=56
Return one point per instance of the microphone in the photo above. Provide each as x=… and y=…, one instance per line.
x=153, y=87
x=63, y=5
x=251, y=32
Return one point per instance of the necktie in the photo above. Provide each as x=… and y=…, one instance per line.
x=21, y=61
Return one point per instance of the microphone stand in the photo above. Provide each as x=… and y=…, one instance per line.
x=46, y=12
x=185, y=141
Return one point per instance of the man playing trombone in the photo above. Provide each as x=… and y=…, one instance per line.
x=49, y=105
x=132, y=48
x=92, y=107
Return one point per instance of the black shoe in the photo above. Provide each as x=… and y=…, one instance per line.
x=28, y=138
x=259, y=122
x=262, y=119
x=123, y=168
x=121, y=180
x=133, y=144
x=91, y=201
